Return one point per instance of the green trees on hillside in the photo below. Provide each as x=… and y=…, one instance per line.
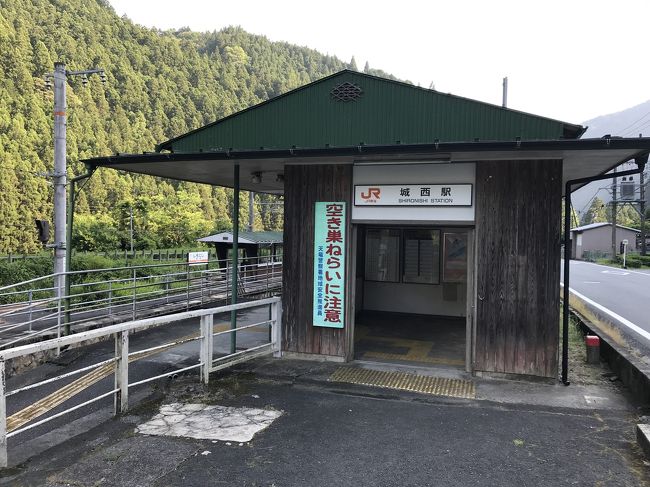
x=160, y=85
x=596, y=213
x=599, y=212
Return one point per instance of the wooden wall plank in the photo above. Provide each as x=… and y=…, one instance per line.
x=518, y=266
x=304, y=186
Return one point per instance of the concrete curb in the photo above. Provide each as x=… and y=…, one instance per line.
x=643, y=438
x=632, y=371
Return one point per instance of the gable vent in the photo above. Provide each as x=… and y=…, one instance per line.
x=346, y=92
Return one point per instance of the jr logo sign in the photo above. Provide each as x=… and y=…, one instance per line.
x=373, y=193
x=413, y=195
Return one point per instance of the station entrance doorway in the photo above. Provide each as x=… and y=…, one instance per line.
x=413, y=295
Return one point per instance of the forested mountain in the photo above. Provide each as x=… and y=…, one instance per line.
x=160, y=84
x=631, y=122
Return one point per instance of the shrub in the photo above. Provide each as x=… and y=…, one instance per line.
x=25, y=269
x=149, y=271
x=86, y=262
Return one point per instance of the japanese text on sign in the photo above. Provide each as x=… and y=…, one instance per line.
x=197, y=258
x=413, y=195
x=329, y=264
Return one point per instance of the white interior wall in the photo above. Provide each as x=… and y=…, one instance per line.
x=426, y=299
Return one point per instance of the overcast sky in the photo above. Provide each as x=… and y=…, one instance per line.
x=567, y=59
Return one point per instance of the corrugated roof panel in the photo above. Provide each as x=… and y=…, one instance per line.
x=387, y=111
x=264, y=237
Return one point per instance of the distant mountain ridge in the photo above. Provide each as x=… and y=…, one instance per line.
x=627, y=123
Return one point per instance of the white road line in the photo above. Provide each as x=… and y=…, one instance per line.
x=612, y=314
x=646, y=274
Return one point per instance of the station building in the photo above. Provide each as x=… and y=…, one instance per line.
x=419, y=227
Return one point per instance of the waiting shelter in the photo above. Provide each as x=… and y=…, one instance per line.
x=419, y=227
x=253, y=244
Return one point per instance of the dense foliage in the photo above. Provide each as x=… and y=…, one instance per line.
x=627, y=214
x=160, y=84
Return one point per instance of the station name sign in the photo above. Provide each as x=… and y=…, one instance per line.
x=413, y=195
x=197, y=258
x=329, y=264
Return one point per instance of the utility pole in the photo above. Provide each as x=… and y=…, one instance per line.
x=60, y=78
x=251, y=210
x=60, y=175
x=131, y=226
x=614, y=249
x=642, y=211
x=504, y=101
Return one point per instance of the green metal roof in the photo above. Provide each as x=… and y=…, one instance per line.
x=264, y=237
x=385, y=112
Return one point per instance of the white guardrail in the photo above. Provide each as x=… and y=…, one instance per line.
x=118, y=366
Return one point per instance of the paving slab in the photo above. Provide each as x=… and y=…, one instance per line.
x=209, y=422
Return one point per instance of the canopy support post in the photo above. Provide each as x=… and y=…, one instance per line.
x=235, y=257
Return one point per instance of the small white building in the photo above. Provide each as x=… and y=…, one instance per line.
x=595, y=240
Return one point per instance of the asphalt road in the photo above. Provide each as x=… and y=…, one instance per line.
x=327, y=436
x=624, y=292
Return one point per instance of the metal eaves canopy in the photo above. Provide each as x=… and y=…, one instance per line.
x=245, y=238
x=581, y=158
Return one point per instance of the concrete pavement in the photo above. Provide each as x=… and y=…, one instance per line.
x=330, y=432
x=333, y=433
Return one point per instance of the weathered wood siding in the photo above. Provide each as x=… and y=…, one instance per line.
x=303, y=186
x=518, y=266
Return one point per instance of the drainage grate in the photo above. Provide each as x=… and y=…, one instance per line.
x=425, y=384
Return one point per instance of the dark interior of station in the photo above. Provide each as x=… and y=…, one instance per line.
x=410, y=296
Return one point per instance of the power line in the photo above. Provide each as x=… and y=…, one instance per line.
x=635, y=122
x=639, y=128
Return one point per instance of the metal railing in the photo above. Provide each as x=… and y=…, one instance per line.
x=25, y=419
x=105, y=296
x=153, y=254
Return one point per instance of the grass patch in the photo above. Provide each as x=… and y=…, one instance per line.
x=632, y=261
x=580, y=372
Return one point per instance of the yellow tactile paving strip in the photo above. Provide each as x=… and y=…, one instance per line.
x=51, y=401
x=414, y=356
x=70, y=390
x=403, y=381
x=418, y=350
